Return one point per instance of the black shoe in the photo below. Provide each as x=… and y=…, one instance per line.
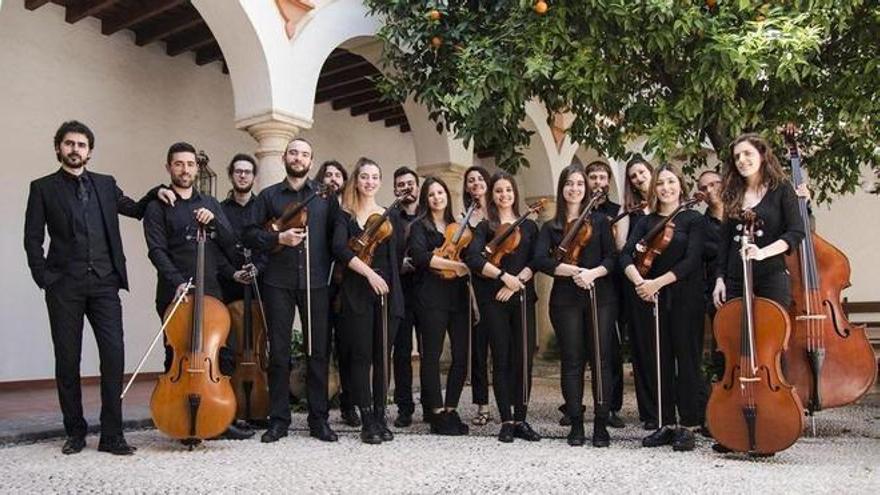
x=235, y=432
x=650, y=425
x=382, y=423
x=440, y=424
x=506, y=434
x=683, y=440
x=115, y=445
x=322, y=432
x=601, y=438
x=663, y=436
x=524, y=431
x=403, y=420
x=73, y=445
x=458, y=424
x=615, y=421
x=721, y=449
x=576, y=436
x=274, y=433
x=564, y=420
x=704, y=430
x=350, y=418
x=761, y=455
x=371, y=433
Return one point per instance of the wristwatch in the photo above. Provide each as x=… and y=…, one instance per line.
x=500, y=274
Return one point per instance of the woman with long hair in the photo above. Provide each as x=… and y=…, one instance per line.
x=362, y=291
x=674, y=287
x=503, y=293
x=570, y=309
x=442, y=307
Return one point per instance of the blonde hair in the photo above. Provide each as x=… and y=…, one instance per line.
x=351, y=199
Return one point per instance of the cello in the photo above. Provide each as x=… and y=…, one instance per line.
x=251, y=356
x=193, y=400
x=829, y=361
x=753, y=408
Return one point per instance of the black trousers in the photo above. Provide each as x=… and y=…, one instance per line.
x=573, y=326
x=401, y=356
x=280, y=305
x=434, y=324
x=480, y=364
x=504, y=324
x=345, y=400
x=361, y=338
x=68, y=300
x=773, y=285
x=681, y=347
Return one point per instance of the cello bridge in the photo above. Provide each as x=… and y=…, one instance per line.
x=810, y=317
x=749, y=379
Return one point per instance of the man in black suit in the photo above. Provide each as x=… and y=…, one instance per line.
x=82, y=275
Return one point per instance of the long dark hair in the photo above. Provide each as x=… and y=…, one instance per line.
x=466, y=197
x=491, y=208
x=734, y=185
x=424, y=210
x=561, y=218
x=653, y=200
x=631, y=195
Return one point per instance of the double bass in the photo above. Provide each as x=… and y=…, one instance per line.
x=753, y=408
x=193, y=400
x=829, y=360
x=251, y=356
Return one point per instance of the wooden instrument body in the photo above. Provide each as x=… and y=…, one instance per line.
x=502, y=244
x=451, y=249
x=251, y=360
x=849, y=369
x=571, y=253
x=644, y=260
x=779, y=421
x=296, y=215
x=376, y=230
x=194, y=400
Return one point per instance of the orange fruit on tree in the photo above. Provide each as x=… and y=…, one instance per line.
x=711, y=3
x=434, y=15
x=437, y=41
x=541, y=7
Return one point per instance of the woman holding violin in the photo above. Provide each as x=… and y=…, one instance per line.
x=366, y=240
x=502, y=253
x=586, y=237
x=442, y=305
x=669, y=289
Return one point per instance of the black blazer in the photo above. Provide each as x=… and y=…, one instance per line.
x=47, y=211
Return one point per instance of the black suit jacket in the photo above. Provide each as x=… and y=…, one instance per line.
x=47, y=210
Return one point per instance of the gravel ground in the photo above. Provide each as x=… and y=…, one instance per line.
x=843, y=457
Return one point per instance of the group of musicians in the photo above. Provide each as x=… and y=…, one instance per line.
x=369, y=313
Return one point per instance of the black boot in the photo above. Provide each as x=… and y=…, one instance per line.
x=601, y=438
x=382, y=425
x=350, y=417
x=370, y=432
x=458, y=424
x=576, y=436
x=565, y=420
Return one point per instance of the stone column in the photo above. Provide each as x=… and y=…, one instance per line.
x=453, y=175
x=272, y=132
x=545, y=337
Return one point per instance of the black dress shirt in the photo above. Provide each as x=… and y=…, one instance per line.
x=239, y=216
x=431, y=290
x=91, y=251
x=683, y=256
x=522, y=257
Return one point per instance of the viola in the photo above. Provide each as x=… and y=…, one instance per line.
x=251, y=357
x=577, y=233
x=296, y=214
x=753, y=408
x=193, y=400
x=508, y=237
x=829, y=361
x=456, y=238
x=655, y=242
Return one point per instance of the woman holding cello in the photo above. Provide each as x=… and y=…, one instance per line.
x=577, y=278
x=365, y=242
x=669, y=291
x=506, y=297
x=442, y=305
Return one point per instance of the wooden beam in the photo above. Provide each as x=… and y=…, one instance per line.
x=341, y=63
x=78, y=11
x=208, y=54
x=198, y=38
x=352, y=88
x=161, y=31
x=346, y=76
x=137, y=15
x=34, y=4
x=356, y=99
x=395, y=121
x=405, y=128
x=373, y=107
x=386, y=114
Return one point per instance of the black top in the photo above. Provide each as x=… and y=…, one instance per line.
x=710, y=249
x=170, y=233
x=609, y=208
x=683, y=256
x=407, y=280
x=522, y=257
x=286, y=267
x=91, y=251
x=239, y=217
x=598, y=252
x=49, y=209
x=431, y=290
x=778, y=210
x=355, y=288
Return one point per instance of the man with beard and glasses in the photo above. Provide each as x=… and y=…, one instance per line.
x=81, y=275
x=406, y=184
x=284, y=289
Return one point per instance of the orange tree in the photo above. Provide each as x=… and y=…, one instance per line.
x=685, y=74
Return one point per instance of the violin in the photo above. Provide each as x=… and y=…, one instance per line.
x=829, y=361
x=456, y=238
x=577, y=233
x=655, y=242
x=251, y=357
x=193, y=400
x=296, y=214
x=507, y=236
x=376, y=230
x=753, y=408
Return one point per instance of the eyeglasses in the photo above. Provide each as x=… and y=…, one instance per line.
x=242, y=172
